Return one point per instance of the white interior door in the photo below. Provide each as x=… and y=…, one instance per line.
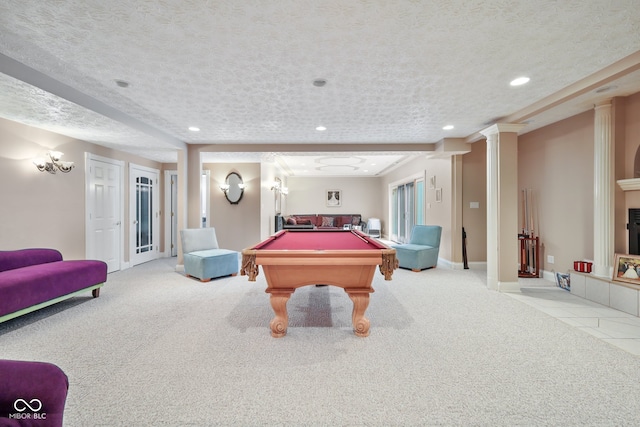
x=144, y=214
x=104, y=211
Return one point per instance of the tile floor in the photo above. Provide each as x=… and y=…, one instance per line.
x=615, y=327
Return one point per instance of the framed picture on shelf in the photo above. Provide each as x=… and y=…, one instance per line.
x=334, y=198
x=626, y=268
x=563, y=281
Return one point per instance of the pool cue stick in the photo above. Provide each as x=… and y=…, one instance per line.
x=464, y=249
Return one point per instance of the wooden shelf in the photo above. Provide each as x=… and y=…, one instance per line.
x=629, y=184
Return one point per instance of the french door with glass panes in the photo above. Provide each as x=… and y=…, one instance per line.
x=145, y=217
x=407, y=208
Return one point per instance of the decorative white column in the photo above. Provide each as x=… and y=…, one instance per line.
x=182, y=202
x=502, y=207
x=603, y=179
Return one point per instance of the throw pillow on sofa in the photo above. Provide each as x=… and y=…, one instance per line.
x=327, y=221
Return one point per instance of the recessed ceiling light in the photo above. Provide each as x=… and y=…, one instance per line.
x=194, y=129
x=321, y=128
x=519, y=81
x=448, y=127
x=122, y=83
x=319, y=82
x=606, y=88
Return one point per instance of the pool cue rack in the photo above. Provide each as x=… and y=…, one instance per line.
x=529, y=242
x=529, y=256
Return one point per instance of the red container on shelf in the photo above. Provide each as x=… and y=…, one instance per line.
x=582, y=266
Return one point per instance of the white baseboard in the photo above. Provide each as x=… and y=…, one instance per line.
x=445, y=263
x=549, y=275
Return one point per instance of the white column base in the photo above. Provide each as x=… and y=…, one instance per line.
x=508, y=287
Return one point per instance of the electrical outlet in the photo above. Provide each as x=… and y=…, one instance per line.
x=550, y=259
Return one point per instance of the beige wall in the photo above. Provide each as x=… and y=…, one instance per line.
x=39, y=209
x=474, y=184
x=556, y=163
x=237, y=226
x=439, y=213
x=359, y=196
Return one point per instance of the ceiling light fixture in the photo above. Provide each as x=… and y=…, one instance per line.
x=321, y=128
x=194, y=129
x=606, y=88
x=448, y=127
x=519, y=81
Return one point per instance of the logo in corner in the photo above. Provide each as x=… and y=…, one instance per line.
x=23, y=407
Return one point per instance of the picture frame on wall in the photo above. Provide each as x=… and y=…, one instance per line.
x=626, y=268
x=334, y=198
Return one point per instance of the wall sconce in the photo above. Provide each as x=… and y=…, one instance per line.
x=233, y=188
x=54, y=163
x=278, y=188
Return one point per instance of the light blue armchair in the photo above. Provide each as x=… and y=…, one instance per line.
x=203, y=258
x=422, y=250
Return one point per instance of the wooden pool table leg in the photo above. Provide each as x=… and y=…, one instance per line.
x=279, y=298
x=360, y=300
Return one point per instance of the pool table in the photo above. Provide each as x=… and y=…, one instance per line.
x=294, y=258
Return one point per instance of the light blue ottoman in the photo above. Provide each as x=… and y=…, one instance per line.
x=211, y=263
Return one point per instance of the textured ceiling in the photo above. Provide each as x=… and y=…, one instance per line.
x=243, y=71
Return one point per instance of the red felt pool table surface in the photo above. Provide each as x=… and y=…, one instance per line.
x=294, y=258
x=319, y=240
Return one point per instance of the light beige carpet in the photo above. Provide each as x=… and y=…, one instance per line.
x=159, y=349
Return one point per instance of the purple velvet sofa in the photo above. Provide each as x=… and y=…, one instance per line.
x=31, y=279
x=32, y=394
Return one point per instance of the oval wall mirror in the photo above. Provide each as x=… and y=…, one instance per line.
x=235, y=188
